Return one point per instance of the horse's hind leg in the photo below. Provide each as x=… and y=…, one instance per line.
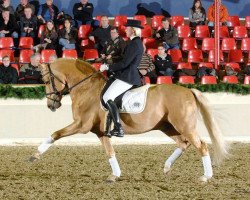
x=67, y=131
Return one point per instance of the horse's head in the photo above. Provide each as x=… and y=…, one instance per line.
x=55, y=83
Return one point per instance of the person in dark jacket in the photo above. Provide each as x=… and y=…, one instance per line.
x=126, y=74
x=6, y=6
x=28, y=23
x=83, y=12
x=8, y=25
x=101, y=34
x=20, y=9
x=30, y=73
x=8, y=74
x=163, y=63
x=168, y=35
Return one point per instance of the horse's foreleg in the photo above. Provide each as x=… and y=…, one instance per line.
x=116, y=171
x=46, y=144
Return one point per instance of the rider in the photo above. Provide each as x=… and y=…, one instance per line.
x=126, y=74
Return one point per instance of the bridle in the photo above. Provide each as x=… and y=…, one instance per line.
x=66, y=90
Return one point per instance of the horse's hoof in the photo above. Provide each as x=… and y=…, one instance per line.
x=166, y=170
x=204, y=179
x=34, y=158
x=112, y=178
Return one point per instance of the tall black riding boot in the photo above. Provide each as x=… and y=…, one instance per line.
x=114, y=112
x=108, y=124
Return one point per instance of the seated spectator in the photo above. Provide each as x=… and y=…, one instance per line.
x=101, y=34
x=68, y=36
x=147, y=67
x=48, y=38
x=52, y=58
x=30, y=73
x=48, y=11
x=197, y=14
x=6, y=6
x=211, y=14
x=83, y=12
x=8, y=25
x=113, y=48
x=20, y=9
x=163, y=63
x=8, y=74
x=205, y=71
x=168, y=35
x=28, y=23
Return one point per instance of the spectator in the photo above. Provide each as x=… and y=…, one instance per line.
x=68, y=36
x=163, y=63
x=83, y=12
x=6, y=6
x=48, y=38
x=8, y=25
x=147, y=67
x=168, y=35
x=8, y=74
x=28, y=23
x=101, y=34
x=223, y=14
x=197, y=14
x=48, y=11
x=113, y=48
x=20, y=9
x=30, y=73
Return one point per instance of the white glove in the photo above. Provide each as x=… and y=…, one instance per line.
x=104, y=67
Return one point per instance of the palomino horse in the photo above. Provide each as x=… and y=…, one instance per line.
x=170, y=108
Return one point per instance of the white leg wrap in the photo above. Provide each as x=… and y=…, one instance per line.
x=115, y=166
x=45, y=145
x=208, y=171
x=177, y=153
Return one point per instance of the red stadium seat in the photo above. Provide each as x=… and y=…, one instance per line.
x=230, y=79
x=152, y=53
x=184, y=65
x=235, y=56
x=186, y=79
x=156, y=21
x=207, y=44
x=224, y=33
x=208, y=80
x=240, y=32
x=228, y=44
x=98, y=18
x=45, y=54
x=6, y=43
x=146, y=31
x=202, y=31
x=150, y=43
x=7, y=52
x=90, y=54
x=211, y=56
x=233, y=21
x=189, y=44
x=177, y=21
x=195, y=56
x=183, y=31
x=235, y=66
x=84, y=31
x=247, y=22
x=16, y=67
x=120, y=20
x=176, y=55
x=245, y=44
x=206, y=64
x=247, y=80
x=87, y=44
x=147, y=80
x=41, y=30
x=24, y=56
x=26, y=43
x=69, y=53
x=142, y=18
x=164, y=80
x=122, y=31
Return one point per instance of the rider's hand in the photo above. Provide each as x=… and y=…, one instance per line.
x=104, y=67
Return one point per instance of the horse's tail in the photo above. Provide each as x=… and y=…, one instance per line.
x=219, y=145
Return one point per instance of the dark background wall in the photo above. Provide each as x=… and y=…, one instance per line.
x=128, y=7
